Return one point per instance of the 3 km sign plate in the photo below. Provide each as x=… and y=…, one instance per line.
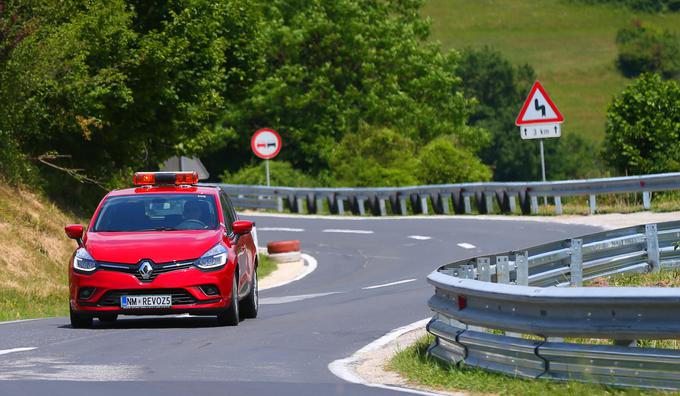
x=539, y=117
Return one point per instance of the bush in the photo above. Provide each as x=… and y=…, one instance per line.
x=643, y=127
x=441, y=162
x=646, y=48
x=281, y=173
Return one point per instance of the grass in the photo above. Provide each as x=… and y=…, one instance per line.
x=35, y=255
x=418, y=368
x=569, y=44
x=265, y=266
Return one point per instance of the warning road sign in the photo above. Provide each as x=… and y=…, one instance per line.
x=538, y=108
x=266, y=143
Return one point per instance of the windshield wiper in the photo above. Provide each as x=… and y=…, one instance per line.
x=161, y=229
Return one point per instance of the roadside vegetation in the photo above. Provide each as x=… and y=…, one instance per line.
x=419, y=369
x=265, y=266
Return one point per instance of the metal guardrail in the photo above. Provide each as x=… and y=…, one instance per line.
x=445, y=198
x=503, y=313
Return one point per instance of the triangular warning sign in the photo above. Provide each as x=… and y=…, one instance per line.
x=538, y=108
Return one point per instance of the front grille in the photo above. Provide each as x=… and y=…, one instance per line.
x=179, y=296
x=134, y=269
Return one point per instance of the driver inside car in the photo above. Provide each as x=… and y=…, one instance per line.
x=192, y=211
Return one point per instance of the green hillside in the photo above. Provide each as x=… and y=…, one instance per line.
x=570, y=45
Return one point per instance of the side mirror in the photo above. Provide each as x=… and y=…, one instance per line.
x=242, y=227
x=75, y=231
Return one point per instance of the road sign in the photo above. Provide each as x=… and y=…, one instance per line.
x=538, y=108
x=540, y=131
x=266, y=143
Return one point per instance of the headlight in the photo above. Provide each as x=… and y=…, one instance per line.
x=213, y=258
x=83, y=261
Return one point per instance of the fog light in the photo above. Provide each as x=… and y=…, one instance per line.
x=85, y=293
x=210, y=290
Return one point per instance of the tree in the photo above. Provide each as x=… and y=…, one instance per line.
x=282, y=174
x=441, y=162
x=335, y=64
x=643, y=127
x=646, y=48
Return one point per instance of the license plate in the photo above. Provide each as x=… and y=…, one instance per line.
x=156, y=301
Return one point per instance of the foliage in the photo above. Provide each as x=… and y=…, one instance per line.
x=642, y=5
x=373, y=157
x=643, y=127
x=500, y=90
x=335, y=64
x=646, y=48
x=441, y=162
x=281, y=174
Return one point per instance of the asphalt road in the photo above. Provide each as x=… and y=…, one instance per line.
x=302, y=327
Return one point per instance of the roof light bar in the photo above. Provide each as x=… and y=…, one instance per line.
x=164, y=178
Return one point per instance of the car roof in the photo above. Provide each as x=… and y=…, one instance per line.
x=165, y=190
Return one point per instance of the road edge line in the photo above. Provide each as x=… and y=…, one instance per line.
x=311, y=266
x=342, y=368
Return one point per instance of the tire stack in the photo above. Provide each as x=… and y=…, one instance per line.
x=284, y=251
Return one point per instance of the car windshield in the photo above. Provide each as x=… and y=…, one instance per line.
x=157, y=212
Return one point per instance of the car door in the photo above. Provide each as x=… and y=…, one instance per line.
x=240, y=242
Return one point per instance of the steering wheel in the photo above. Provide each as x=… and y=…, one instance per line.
x=187, y=225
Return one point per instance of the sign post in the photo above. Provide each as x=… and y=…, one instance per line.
x=266, y=144
x=539, y=119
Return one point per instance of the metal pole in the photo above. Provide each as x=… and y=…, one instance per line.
x=266, y=167
x=545, y=198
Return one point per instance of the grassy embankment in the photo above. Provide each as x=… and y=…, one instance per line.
x=569, y=44
x=418, y=368
x=35, y=256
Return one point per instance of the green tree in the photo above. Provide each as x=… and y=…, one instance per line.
x=643, y=127
x=441, y=162
x=281, y=174
x=334, y=64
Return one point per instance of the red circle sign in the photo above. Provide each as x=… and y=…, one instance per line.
x=266, y=143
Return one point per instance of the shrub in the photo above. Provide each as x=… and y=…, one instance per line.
x=646, y=48
x=442, y=162
x=281, y=173
x=643, y=127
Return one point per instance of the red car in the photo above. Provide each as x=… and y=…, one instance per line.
x=166, y=246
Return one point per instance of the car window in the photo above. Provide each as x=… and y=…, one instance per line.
x=228, y=210
x=154, y=212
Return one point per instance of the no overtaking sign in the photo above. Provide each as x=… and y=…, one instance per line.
x=266, y=143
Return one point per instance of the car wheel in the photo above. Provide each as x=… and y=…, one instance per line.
x=79, y=321
x=109, y=318
x=230, y=317
x=250, y=304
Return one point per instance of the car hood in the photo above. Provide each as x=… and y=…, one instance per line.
x=158, y=246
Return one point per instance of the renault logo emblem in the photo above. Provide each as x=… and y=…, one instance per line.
x=145, y=270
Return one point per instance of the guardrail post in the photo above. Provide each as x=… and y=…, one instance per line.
x=646, y=200
x=522, y=268
x=299, y=204
x=341, y=205
x=381, y=207
x=403, y=210
x=483, y=269
x=534, y=204
x=502, y=269
x=511, y=203
x=279, y=204
x=488, y=200
x=319, y=204
x=652, y=237
x=592, y=203
x=467, y=271
x=423, y=203
x=576, y=265
x=466, y=203
x=558, y=205
x=361, y=207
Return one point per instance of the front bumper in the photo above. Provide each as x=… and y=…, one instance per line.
x=183, y=285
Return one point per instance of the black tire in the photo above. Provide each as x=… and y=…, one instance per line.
x=108, y=318
x=79, y=321
x=230, y=317
x=251, y=303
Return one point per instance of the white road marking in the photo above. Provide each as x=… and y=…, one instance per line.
x=21, y=321
x=289, y=299
x=466, y=245
x=340, y=231
x=420, y=237
x=344, y=368
x=285, y=229
x=389, y=284
x=6, y=351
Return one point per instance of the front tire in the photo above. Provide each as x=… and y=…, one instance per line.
x=230, y=317
x=251, y=303
x=79, y=321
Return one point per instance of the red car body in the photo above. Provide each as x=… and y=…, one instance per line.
x=169, y=256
